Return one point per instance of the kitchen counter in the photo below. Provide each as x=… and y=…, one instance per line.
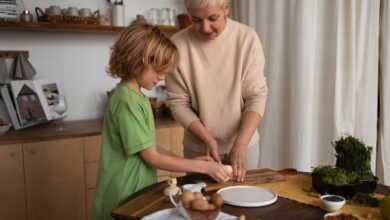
x=73, y=129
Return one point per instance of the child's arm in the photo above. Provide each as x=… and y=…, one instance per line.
x=178, y=164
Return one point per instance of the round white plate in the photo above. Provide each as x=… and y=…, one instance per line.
x=247, y=196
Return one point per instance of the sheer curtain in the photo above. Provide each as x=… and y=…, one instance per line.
x=322, y=73
x=384, y=119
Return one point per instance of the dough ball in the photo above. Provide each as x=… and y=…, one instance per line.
x=198, y=195
x=217, y=199
x=229, y=168
x=186, y=198
x=200, y=204
x=211, y=207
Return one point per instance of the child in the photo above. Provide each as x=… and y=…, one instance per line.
x=140, y=58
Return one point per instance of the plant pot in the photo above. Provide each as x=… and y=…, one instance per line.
x=367, y=186
x=347, y=191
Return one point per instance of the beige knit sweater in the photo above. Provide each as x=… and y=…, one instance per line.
x=216, y=82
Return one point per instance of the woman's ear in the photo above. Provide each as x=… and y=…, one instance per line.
x=226, y=10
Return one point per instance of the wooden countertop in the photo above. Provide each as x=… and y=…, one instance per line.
x=150, y=200
x=72, y=129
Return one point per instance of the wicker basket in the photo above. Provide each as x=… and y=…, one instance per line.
x=66, y=19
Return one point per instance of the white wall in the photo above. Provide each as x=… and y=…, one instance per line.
x=77, y=59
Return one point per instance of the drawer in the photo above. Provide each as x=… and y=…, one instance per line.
x=92, y=148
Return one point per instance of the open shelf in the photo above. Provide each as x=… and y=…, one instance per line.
x=46, y=26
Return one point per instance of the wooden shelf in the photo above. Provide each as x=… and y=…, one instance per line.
x=45, y=26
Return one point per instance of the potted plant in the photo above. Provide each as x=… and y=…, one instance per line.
x=351, y=173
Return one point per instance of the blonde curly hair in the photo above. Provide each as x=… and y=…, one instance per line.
x=139, y=46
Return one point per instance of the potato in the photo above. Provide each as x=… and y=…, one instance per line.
x=186, y=198
x=217, y=199
x=198, y=195
x=200, y=204
x=211, y=207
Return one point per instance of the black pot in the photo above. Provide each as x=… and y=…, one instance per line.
x=347, y=191
x=367, y=186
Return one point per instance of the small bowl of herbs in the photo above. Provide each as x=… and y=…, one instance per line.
x=332, y=202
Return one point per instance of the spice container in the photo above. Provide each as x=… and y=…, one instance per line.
x=26, y=16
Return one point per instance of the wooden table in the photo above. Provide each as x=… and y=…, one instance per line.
x=149, y=200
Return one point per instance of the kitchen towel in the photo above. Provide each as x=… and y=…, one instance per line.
x=23, y=68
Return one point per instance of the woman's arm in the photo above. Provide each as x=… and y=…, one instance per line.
x=238, y=154
x=177, y=164
x=198, y=129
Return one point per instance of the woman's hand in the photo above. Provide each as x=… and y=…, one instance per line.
x=205, y=158
x=238, y=160
x=217, y=171
x=212, y=149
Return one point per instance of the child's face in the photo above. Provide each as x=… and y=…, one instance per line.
x=149, y=78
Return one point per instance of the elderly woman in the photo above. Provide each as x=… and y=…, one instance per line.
x=218, y=92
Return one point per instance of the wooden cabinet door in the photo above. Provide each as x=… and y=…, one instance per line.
x=12, y=188
x=55, y=180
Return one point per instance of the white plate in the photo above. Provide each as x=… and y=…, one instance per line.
x=247, y=196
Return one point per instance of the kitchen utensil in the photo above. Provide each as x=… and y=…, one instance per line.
x=54, y=10
x=4, y=128
x=85, y=12
x=189, y=213
x=72, y=11
x=118, y=16
x=247, y=196
x=26, y=16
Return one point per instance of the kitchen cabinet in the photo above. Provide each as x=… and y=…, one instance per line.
x=92, y=157
x=54, y=177
x=12, y=189
x=46, y=174
x=170, y=139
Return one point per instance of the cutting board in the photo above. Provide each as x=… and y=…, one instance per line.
x=252, y=177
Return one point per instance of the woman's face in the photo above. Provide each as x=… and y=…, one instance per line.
x=209, y=22
x=149, y=78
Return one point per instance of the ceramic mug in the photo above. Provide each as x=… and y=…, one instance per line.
x=72, y=11
x=85, y=12
x=55, y=10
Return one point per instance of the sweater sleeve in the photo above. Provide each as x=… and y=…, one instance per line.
x=179, y=100
x=254, y=86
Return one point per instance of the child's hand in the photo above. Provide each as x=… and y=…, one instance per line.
x=217, y=171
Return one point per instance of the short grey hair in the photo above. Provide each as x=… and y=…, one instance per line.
x=198, y=4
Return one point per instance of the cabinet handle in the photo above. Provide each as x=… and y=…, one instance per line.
x=13, y=154
x=33, y=151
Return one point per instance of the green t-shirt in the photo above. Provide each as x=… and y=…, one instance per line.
x=128, y=129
